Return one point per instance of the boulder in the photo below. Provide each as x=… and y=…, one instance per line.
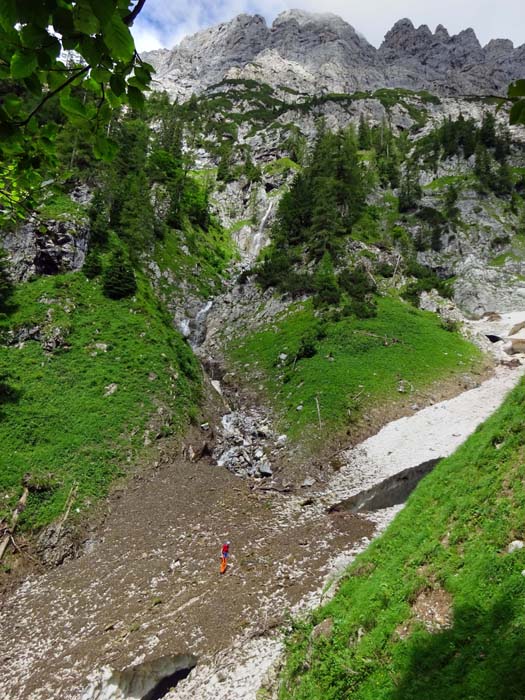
x=265, y=468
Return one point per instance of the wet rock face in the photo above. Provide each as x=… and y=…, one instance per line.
x=62, y=247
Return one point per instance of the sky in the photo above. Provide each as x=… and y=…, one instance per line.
x=163, y=23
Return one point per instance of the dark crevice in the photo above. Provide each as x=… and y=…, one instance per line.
x=390, y=492
x=150, y=680
x=166, y=684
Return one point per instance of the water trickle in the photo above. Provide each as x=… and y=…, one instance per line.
x=198, y=325
x=258, y=239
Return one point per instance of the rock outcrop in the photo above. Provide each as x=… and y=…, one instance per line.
x=315, y=53
x=59, y=247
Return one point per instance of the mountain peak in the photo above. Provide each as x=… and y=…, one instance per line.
x=304, y=17
x=318, y=52
x=468, y=37
x=442, y=33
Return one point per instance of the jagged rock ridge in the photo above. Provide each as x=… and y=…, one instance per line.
x=314, y=53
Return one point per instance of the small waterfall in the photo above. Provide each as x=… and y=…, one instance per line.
x=198, y=325
x=258, y=239
x=184, y=327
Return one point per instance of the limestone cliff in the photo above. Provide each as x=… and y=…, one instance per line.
x=314, y=53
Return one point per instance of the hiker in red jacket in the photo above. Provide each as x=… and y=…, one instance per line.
x=225, y=551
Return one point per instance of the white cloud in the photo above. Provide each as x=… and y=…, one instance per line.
x=147, y=38
x=165, y=22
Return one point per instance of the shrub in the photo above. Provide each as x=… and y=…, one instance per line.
x=384, y=270
x=328, y=292
x=449, y=325
x=93, y=264
x=356, y=283
x=307, y=347
x=118, y=278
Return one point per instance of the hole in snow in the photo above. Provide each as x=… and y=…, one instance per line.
x=150, y=680
x=166, y=684
x=390, y=492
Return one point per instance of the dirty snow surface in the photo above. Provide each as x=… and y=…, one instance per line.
x=432, y=433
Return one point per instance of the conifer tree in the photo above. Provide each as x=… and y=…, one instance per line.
x=502, y=182
x=6, y=285
x=483, y=168
x=92, y=266
x=224, y=173
x=468, y=139
x=449, y=138
x=351, y=187
x=252, y=172
x=98, y=219
x=363, y=134
x=118, y=279
x=325, y=283
x=410, y=189
x=487, y=132
x=327, y=223
x=294, y=216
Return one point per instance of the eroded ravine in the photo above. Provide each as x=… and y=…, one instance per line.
x=379, y=472
x=150, y=589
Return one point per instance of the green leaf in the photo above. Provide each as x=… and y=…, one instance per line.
x=137, y=83
x=103, y=10
x=70, y=43
x=118, y=39
x=72, y=106
x=92, y=86
x=83, y=18
x=135, y=97
x=90, y=48
x=33, y=84
x=101, y=75
x=142, y=74
x=104, y=148
x=8, y=16
x=49, y=130
x=53, y=48
x=54, y=79
x=33, y=37
x=517, y=113
x=104, y=112
x=118, y=84
x=63, y=22
x=33, y=13
x=148, y=67
x=113, y=99
x=23, y=64
x=11, y=103
x=44, y=60
x=517, y=89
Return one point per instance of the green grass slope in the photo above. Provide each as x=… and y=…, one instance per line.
x=56, y=422
x=447, y=550
x=348, y=364
x=199, y=258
